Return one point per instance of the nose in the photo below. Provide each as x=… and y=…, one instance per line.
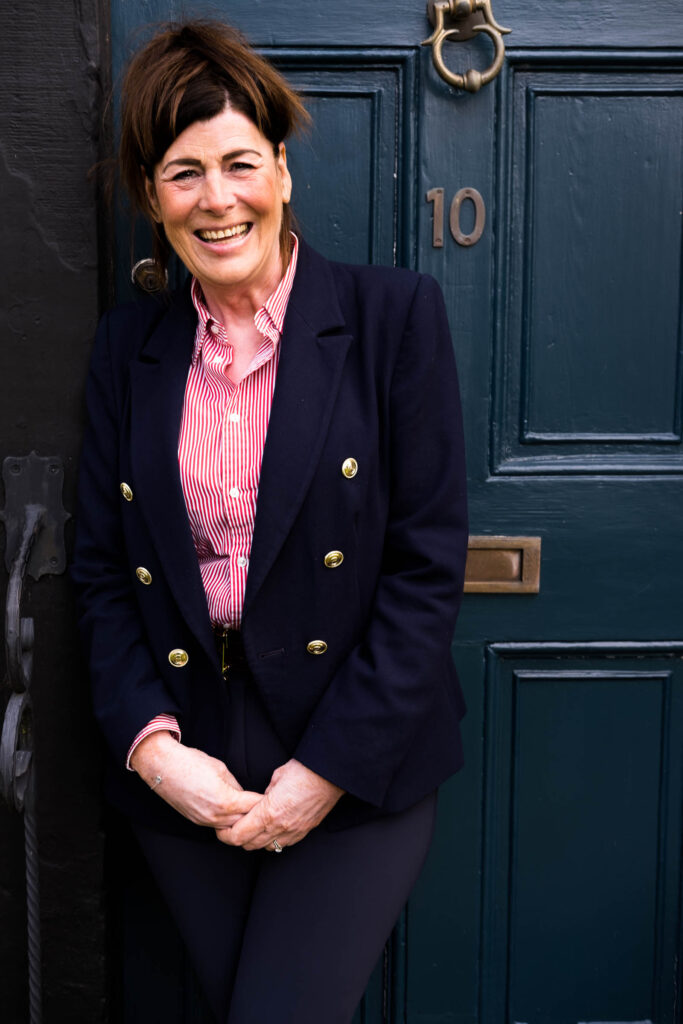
x=217, y=193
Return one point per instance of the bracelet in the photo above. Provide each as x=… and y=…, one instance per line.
x=157, y=779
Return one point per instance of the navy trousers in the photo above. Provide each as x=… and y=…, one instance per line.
x=291, y=937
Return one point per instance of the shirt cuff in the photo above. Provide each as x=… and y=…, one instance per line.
x=169, y=723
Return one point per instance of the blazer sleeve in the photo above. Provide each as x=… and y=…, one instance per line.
x=127, y=689
x=363, y=726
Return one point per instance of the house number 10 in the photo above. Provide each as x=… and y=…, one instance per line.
x=435, y=195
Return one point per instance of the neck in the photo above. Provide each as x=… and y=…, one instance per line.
x=240, y=304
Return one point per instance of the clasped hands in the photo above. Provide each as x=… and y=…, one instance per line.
x=201, y=788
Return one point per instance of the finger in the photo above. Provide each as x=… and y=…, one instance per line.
x=228, y=822
x=285, y=839
x=244, y=833
x=223, y=835
x=242, y=801
x=249, y=826
x=264, y=841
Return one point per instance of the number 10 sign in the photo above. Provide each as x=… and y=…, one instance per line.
x=435, y=195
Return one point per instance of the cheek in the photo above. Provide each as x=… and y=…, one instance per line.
x=267, y=201
x=174, y=209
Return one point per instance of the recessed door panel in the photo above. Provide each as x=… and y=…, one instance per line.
x=589, y=353
x=583, y=797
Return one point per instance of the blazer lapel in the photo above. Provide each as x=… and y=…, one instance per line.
x=158, y=381
x=312, y=356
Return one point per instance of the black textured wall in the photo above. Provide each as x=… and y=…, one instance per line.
x=51, y=54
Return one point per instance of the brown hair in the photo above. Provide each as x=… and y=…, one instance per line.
x=184, y=74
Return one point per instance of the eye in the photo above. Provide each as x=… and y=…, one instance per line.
x=240, y=165
x=185, y=175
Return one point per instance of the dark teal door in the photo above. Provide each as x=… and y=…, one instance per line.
x=553, y=891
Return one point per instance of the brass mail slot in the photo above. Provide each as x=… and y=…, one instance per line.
x=503, y=565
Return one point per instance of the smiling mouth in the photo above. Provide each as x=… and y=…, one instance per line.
x=222, y=234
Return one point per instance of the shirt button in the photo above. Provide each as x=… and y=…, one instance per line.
x=241, y=561
x=214, y=328
x=234, y=492
x=234, y=417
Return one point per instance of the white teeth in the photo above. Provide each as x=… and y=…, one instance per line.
x=218, y=236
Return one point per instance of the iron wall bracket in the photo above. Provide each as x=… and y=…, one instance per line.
x=34, y=520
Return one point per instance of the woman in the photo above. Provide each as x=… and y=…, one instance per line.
x=270, y=553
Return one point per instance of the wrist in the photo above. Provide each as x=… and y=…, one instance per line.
x=332, y=787
x=151, y=751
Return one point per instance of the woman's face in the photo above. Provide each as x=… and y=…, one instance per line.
x=218, y=191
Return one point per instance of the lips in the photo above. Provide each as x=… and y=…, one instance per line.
x=222, y=234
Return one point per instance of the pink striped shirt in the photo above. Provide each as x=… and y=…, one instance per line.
x=220, y=449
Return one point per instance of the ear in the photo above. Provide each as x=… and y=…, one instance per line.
x=285, y=176
x=151, y=193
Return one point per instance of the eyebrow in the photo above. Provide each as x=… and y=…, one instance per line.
x=190, y=162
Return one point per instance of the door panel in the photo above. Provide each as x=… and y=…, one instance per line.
x=353, y=177
x=588, y=355
x=583, y=797
x=552, y=891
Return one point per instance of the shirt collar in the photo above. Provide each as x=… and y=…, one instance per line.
x=269, y=319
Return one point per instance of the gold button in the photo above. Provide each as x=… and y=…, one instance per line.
x=349, y=468
x=316, y=647
x=333, y=559
x=144, y=575
x=178, y=657
x=126, y=491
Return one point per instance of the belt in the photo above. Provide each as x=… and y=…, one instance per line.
x=229, y=646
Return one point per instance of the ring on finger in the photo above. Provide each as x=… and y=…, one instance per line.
x=276, y=846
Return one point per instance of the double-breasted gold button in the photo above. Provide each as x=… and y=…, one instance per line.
x=126, y=491
x=144, y=575
x=349, y=468
x=178, y=657
x=333, y=559
x=316, y=647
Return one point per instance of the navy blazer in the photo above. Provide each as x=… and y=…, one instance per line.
x=366, y=372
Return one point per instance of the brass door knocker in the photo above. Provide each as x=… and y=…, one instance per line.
x=471, y=17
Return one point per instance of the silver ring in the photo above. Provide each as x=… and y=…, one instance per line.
x=276, y=846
